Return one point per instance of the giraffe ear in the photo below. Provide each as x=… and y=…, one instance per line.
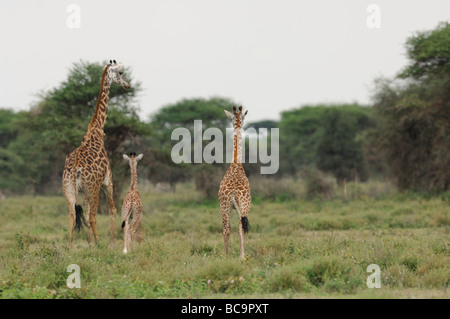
x=245, y=113
x=229, y=115
x=139, y=157
x=125, y=156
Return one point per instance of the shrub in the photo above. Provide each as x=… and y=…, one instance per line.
x=288, y=277
x=410, y=262
x=334, y=274
x=316, y=184
x=269, y=188
x=222, y=269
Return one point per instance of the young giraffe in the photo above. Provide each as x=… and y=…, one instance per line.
x=132, y=206
x=87, y=168
x=234, y=191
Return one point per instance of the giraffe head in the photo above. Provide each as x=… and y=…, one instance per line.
x=115, y=73
x=237, y=117
x=133, y=159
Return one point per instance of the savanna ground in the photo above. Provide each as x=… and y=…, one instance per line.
x=296, y=247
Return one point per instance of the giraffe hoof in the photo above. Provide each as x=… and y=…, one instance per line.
x=124, y=251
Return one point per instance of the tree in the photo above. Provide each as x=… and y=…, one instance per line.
x=10, y=167
x=183, y=114
x=255, y=168
x=300, y=130
x=7, y=130
x=414, y=114
x=428, y=53
x=268, y=124
x=339, y=151
x=11, y=164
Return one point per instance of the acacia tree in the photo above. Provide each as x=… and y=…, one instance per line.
x=414, y=114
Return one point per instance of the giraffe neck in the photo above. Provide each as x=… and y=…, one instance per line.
x=133, y=184
x=99, y=118
x=237, y=149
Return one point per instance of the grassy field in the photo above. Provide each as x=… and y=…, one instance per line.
x=296, y=248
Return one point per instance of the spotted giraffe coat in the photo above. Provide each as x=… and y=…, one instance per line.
x=132, y=209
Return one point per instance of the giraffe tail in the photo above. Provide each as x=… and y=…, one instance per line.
x=127, y=217
x=79, y=218
x=245, y=224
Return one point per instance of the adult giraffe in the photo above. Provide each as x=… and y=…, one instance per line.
x=87, y=168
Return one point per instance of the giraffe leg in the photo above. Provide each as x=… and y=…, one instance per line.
x=133, y=234
x=94, y=224
x=112, y=208
x=86, y=205
x=126, y=237
x=71, y=222
x=139, y=231
x=92, y=212
x=241, y=237
x=125, y=224
x=139, y=234
x=226, y=226
x=243, y=228
x=136, y=234
x=69, y=193
x=138, y=218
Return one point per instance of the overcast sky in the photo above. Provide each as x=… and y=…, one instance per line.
x=268, y=56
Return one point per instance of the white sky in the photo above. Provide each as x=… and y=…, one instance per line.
x=268, y=56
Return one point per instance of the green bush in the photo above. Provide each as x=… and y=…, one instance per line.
x=317, y=186
x=334, y=273
x=288, y=278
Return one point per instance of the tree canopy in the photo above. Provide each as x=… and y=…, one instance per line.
x=339, y=151
x=428, y=53
x=414, y=114
x=324, y=137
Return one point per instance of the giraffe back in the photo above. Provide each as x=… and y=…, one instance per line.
x=132, y=206
x=235, y=183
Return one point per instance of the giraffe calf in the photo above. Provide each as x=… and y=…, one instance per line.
x=132, y=206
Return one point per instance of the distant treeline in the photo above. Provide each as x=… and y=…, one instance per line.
x=404, y=135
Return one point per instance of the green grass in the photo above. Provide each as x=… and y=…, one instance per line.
x=296, y=249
